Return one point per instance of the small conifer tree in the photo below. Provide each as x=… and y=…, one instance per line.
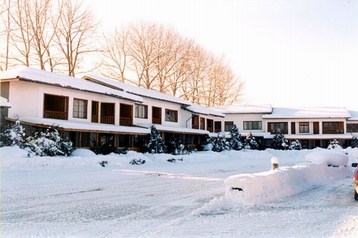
x=235, y=141
x=279, y=142
x=220, y=144
x=154, y=144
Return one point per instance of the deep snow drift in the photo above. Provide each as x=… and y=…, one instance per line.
x=205, y=194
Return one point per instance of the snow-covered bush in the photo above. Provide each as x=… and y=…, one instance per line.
x=48, y=143
x=104, y=148
x=176, y=147
x=295, y=145
x=235, y=140
x=250, y=142
x=103, y=163
x=279, y=142
x=334, y=145
x=137, y=161
x=354, y=142
x=13, y=136
x=220, y=143
x=206, y=143
x=154, y=144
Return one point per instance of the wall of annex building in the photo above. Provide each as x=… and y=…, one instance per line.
x=240, y=119
x=293, y=124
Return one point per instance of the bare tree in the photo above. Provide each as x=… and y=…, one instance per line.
x=114, y=60
x=39, y=15
x=75, y=33
x=159, y=58
x=21, y=36
x=5, y=34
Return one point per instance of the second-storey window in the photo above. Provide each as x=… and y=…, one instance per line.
x=141, y=111
x=171, y=115
x=333, y=127
x=304, y=127
x=228, y=125
x=252, y=125
x=352, y=127
x=202, y=123
x=273, y=126
x=79, y=108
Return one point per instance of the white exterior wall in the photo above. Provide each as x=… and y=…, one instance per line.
x=183, y=115
x=28, y=100
x=25, y=99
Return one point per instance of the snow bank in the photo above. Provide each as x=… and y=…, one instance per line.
x=275, y=184
x=258, y=188
x=328, y=157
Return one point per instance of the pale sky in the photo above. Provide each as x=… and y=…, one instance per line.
x=289, y=53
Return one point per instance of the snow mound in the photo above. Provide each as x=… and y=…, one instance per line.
x=328, y=157
x=12, y=152
x=82, y=153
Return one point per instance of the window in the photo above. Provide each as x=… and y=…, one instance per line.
x=79, y=108
x=210, y=125
x=55, y=107
x=195, y=122
x=95, y=111
x=273, y=126
x=304, y=127
x=252, y=125
x=202, y=123
x=333, y=127
x=352, y=127
x=218, y=126
x=228, y=125
x=141, y=111
x=171, y=115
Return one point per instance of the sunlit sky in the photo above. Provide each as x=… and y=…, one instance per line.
x=288, y=53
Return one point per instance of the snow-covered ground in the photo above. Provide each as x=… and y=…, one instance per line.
x=205, y=194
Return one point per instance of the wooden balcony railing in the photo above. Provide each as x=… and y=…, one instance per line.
x=55, y=115
x=94, y=118
x=156, y=121
x=125, y=121
x=107, y=119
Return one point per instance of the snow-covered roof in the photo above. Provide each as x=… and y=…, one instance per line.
x=244, y=109
x=195, y=108
x=4, y=102
x=308, y=112
x=354, y=116
x=143, y=92
x=44, y=77
x=83, y=126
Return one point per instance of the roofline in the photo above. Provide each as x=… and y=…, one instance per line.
x=90, y=78
x=74, y=88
